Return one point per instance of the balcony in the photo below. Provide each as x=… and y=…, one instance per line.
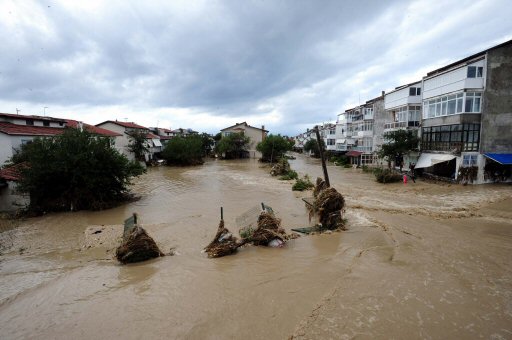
x=401, y=125
x=366, y=133
x=368, y=116
x=363, y=148
x=341, y=147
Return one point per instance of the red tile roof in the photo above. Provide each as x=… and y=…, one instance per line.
x=152, y=136
x=130, y=125
x=29, y=130
x=93, y=129
x=12, y=173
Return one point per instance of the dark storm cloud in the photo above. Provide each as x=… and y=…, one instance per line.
x=287, y=64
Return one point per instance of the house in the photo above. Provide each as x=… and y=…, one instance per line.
x=165, y=135
x=255, y=134
x=467, y=116
x=16, y=130
x=124, y=129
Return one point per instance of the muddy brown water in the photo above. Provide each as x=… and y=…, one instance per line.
x=420, y=260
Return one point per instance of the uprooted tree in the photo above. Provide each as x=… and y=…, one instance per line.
x=74, y=171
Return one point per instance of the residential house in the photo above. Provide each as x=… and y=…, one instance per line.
x=165, y=135
x=124, y=129
x=467, y=116
x=255, y=134
x=16, y=130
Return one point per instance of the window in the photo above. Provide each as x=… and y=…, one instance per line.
x=331, y=142
x=453, y=138
x=475, y=71
x=473, y=101
x=26, y=141
x=46, y=123
x=332, y=132
x=469, y=160
x=29, y=121
x=414, y=91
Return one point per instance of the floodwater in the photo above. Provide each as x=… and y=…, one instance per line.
x=420, y=260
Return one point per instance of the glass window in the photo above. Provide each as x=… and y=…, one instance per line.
x=412, y=91
x=29, y=122
x=418, y=91
x=479, y=72
x=471, y=71
x=46, y=123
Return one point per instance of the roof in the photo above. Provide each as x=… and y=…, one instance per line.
x=12, y=115
x=471, y=57
x=29, y=130
x=13, y=172
x=502, y=158
x=152, y=136
x=245, y=124
x=93, y=129
x=130, y=125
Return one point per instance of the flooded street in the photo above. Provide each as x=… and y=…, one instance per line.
x=419, y=260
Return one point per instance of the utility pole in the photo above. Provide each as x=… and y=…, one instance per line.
x=321, y=148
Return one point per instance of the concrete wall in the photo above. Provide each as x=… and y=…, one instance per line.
x=254, y=134
x=461, y=118
x=380, y=116
x=496, y=133
x=121, y=142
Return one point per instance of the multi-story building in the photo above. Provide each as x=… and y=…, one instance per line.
x=255, y=134
x=467, y=115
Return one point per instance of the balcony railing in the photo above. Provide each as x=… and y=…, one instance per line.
x=362, y=148
x=341, y=147
x=401, y=125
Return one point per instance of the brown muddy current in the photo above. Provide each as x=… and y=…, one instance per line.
x=420, y=260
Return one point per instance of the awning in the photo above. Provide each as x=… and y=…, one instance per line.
x=429, y=159
x=502, y=158
x=340, y=141
x=353, y=153
x=351, y=141
x=156, y=142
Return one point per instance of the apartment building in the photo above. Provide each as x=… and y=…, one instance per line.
x=467, y=116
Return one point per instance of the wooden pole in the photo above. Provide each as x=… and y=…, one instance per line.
x=321, y=148
x=221, y=213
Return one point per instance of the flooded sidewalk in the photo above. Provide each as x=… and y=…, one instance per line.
x=418, y=261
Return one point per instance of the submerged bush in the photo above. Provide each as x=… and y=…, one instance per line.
x=289, y=175
x=302, y=184
x=386, y=175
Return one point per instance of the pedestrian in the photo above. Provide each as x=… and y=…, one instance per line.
x=412, y=166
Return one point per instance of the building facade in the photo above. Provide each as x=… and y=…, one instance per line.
x=256, y=135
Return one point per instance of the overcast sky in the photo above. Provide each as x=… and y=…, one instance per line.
x=209, y=64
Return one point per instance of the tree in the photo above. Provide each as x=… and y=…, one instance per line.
x=233, y=146
x=208, y=142
x=184, y=150
x=273, y=147
x=312, y=145
x=397, y=144
x=138, y=144
x=74, y=171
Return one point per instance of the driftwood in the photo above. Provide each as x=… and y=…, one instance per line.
x=137, y=247
x=329, y=205
x=224, y=243
x=269, y=228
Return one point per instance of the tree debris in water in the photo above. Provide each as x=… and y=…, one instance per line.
x=282, y=167
x=137, y=247
x=224, y=243
x=329, y=205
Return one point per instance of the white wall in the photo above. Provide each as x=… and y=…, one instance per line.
x=121, y=142
x=401, y=97
x=8, y=145
x=452, y=81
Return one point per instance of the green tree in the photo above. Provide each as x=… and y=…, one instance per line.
x=273, y=147
x=208, y=142
x=312, y=145
x=234, y=145
x=74, y=171
x=138, y=144
x=397, y=144
x=184, y=150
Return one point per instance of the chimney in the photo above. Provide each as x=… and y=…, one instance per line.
x=383, y=93
x=263, y=132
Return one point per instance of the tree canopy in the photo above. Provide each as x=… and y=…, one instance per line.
x=74, y=171
x=312, y=145
x=138, y=144
x=188, y=150
x=274, y=147
x=398, y=143
x=234, y=145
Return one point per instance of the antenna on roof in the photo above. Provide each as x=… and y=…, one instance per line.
x=18, y=111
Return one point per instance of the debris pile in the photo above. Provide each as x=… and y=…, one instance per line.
x=269, y=231
x=137, y=246
x=320, y=185
x=224, y=243
x=329, y=206
x=282, y=167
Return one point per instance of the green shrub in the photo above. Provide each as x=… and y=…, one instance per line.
x=366, y=168
x=386, y=175
x=302, y=184
x=289, y=175
x=346, y=166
